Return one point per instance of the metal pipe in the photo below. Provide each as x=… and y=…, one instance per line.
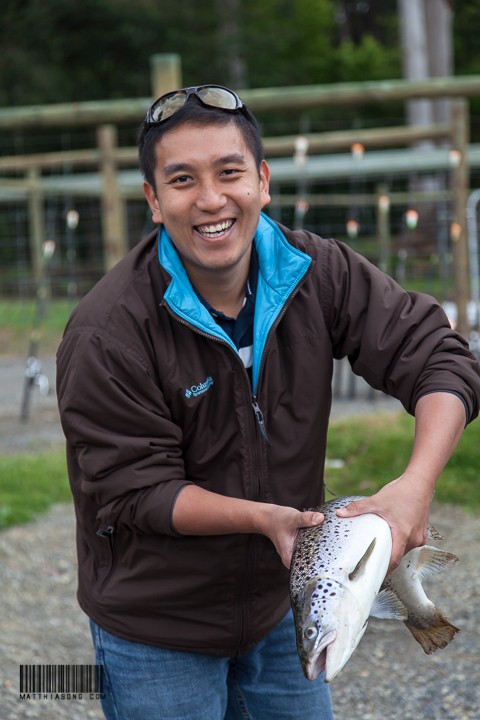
x=473, y=200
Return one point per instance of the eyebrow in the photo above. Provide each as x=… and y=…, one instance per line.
x=233, y=158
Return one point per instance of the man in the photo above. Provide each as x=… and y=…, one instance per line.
x=194, y=385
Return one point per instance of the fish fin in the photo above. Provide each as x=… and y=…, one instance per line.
x=363, y=561
x=431, y=561
x=387, y=606
x=330, y=491
x=435, y=637
x=433, y=533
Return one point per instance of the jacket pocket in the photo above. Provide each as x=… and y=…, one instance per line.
x=107, y=534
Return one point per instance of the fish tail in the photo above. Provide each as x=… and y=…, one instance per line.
x=439, y=633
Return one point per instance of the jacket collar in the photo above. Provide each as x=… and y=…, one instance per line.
x=281, y=268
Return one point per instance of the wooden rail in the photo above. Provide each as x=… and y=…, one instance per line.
x=274, y=146
x=108, y=157
x=260, y=99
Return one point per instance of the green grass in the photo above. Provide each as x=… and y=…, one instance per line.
x=29, y=484
x=374, y=450
x=17, y=319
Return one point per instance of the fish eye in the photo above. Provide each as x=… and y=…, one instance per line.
x=310, y=633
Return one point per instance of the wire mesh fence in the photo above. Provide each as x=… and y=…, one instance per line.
x=416, y=253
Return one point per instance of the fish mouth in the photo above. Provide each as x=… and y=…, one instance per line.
x=317, y=663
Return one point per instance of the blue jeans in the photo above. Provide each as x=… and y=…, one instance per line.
x=144, y=682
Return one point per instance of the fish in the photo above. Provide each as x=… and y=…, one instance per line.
x=338, y=581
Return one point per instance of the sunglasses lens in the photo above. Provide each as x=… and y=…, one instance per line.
x=210, y=95
x=166, y=107
x=218, y=97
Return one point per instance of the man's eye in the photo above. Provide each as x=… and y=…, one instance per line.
x=230, y=171
x=180, y=179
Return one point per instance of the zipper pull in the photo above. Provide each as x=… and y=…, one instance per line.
x=260, y=421
x=106, y=531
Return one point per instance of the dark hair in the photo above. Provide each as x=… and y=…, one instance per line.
x=194, y=113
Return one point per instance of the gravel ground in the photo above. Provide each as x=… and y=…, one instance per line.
x=387, y=678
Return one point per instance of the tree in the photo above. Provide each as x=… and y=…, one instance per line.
x=62, y=50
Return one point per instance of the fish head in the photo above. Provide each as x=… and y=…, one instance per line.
x=329, y=626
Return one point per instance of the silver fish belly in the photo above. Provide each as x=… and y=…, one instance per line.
x=337, y=581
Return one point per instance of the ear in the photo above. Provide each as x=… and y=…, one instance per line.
x=151, y=196
x=264, y=183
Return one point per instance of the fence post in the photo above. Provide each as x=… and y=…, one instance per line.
x=37, y=221
x=114, y=220
x=458, y=230
x=166, y=73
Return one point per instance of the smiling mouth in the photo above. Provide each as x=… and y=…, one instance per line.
x=215, y=230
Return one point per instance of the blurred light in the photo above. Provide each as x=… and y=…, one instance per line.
x=48, y=248
x=455, y=231
x=301, y=206
x=353, y=226
x=384, y=203
x=454, y=158
x=301, y=148
x=357, y=150
x=411, y=218
x=72, y=217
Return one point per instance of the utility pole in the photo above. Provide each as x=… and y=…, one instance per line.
x=415, y=56
x=230, y=42
x=439, y=19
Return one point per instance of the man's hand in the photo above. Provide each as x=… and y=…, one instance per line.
x=281, y=525
x=400, y=504
x=405, y=502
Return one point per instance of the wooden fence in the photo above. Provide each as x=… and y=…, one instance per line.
x=110, y=159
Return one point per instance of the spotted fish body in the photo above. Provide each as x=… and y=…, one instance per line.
x=337, y=579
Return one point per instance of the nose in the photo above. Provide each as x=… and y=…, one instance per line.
x=211, y=197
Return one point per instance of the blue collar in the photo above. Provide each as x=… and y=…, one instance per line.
x=281, y=268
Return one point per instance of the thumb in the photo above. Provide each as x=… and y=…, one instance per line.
x=311, y=517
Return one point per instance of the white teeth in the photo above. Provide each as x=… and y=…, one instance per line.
x=217, y=229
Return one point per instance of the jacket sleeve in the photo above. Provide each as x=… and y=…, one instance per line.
x=124, y=448
x=400, y=342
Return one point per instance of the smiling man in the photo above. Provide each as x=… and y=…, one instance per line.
x=208, y=191
x=194, y=386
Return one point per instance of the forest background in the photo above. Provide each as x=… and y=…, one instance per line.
x=68, y=51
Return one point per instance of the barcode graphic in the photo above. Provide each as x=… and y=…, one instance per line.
x=61, y=678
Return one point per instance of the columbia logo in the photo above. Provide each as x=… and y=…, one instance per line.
x=199, y=389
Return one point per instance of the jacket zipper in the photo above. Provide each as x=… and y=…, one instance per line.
x=260, y=421
x=256, y=407
x=263, y=429
x=259, y=417
x=108, y=532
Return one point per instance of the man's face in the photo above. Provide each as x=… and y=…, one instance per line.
x=208, y=194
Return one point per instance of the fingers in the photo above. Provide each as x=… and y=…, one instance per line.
x=361, y=507
x=398, y=551
x=356, y=507
x=287, y=532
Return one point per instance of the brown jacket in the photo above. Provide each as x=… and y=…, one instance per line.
x=152, y=396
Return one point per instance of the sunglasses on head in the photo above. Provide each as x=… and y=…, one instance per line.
x=213, y=96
